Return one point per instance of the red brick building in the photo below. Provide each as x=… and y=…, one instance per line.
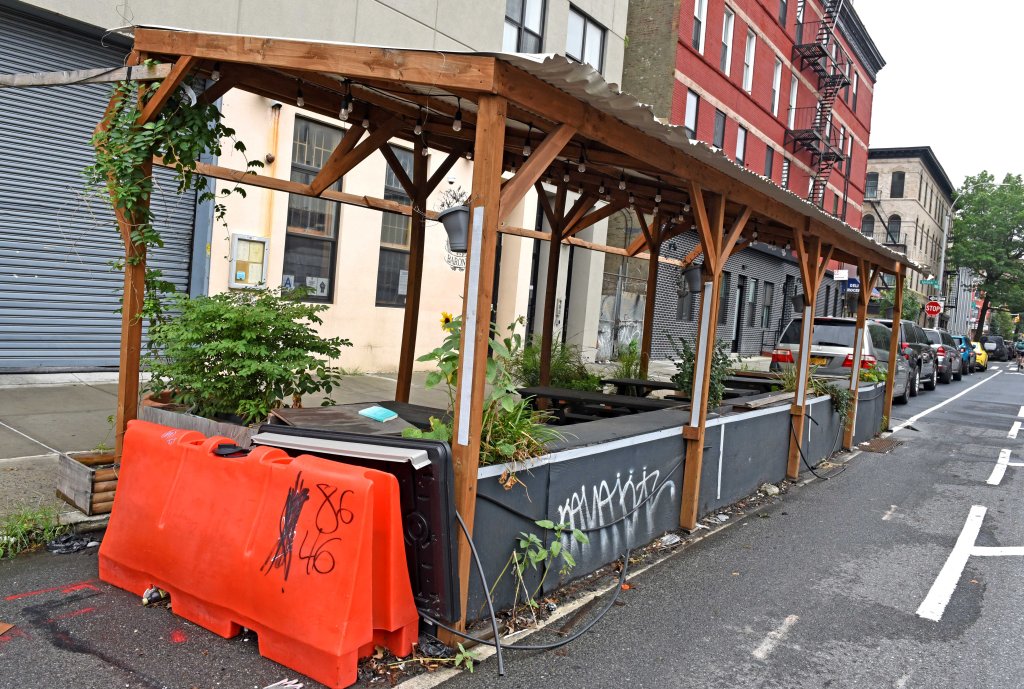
x=782, y=86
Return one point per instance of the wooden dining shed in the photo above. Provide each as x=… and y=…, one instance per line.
x=527, y=122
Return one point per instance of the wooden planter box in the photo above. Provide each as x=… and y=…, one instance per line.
x=87, y=480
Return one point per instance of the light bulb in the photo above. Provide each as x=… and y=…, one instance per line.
x=425, y=151
x=622, y=184
x=632, y=199
x=299, y=100
x=686, y=208
x=655, y=210
x=512, y=170
x=366, y=123
x=418, y=129
x=215, y=74
x=600, y=189
x=565, y=177
x=582, y=167
x=457, y=122
x=657, y=197
x=753, y=235
x=527, y=149
x=346, y=107
x=787, y=246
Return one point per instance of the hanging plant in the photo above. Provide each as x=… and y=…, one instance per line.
x=185, y=130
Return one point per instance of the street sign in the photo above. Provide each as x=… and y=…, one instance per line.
x=933, y=308
x=933, y=283
x=840, y=275
x=853, y=285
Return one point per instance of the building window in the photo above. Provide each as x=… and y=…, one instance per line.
x=723, y=300
x=311, y=238
x=896, y=187
x=849, y=154
x=766, y=305
x=585, y=40
x=835, y=204
x=793, y=86
x=828, y=298
x=769, y=162
x=846, y=89
x=741, y=146
x=782, y=12
x=776, y=85
x=393, y=266
x=719, y=140
x=856, y=80
x=871, y=186
x=700, y=17
x=748, y=61
x=725, y=62
x=895, y=223
x=867, y=225
x=752, y=302
x=524, y=26
x=692, y=105
x=785, y=172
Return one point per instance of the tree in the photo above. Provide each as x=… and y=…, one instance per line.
x=1001, y=323
x=988, y=238
x=911, y=304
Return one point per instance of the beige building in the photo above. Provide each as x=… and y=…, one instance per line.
x=355, y=259
x=907, y=200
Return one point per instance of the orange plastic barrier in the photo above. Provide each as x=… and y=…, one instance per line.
x=306, y=552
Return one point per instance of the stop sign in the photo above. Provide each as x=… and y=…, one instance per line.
x=933, y=308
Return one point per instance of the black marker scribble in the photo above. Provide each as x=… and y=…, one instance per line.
x=330, y=516
x=281, y=556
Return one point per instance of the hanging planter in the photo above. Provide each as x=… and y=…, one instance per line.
x=456, y=224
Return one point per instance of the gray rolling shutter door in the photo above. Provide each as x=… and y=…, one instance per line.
x=58, y=294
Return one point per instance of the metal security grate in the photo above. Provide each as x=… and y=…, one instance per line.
x=880, y=445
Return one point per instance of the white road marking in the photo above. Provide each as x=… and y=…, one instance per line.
x=997, y=551
x=1000, y=468
x=915, y=417
x=1021, y=412
x=774, y=638
x=942, y=590
x=1013, y=430
x=28, y=437
x=888, y=515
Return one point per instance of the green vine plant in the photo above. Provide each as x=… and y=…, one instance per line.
x=685, y=360
x=185, y=130
x=839, y=393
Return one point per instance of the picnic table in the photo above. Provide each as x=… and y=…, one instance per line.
x=637, y=387
x=572, y=406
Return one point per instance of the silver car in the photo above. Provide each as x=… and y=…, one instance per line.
x=832, y=350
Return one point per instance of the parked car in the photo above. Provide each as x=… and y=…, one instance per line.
x=967, y=355
x=917, y=350
x=980, y=357
x=947, y=355
x=832, y=350
x=996, y=347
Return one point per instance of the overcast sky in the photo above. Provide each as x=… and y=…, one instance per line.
x=952, y=81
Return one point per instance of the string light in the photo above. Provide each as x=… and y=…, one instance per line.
x=215, y=74
x=527, y=149
x=366, y=123
x=457, y=122
x=346, y=104
x=622, y=181
x=565, y=177
x=632, y=199
x=299, y=100
x=600, y=189
x=425, y=151
x=418, y=129
x=582, y=167
x=686, y=208
x=657, y=195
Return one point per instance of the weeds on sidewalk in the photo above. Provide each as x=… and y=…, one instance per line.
x=27, y=529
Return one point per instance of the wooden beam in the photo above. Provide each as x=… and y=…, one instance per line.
x=534, y=168
x=551, y=286
x=734, y=232
x=809, y=254
x=348, y=153
x=101, y=75
x=545, y=205
x=399, y=172
x=823, y=266
x=429, y=68
x=594, y=217
x=473, y=351
x=168, y=86
x=583, y=244
x=443, y=169
x=700, y=218
x=414, y=278
x=579, y=209
x=219, y=88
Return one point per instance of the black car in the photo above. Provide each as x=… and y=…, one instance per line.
x=996, y=347
x=917, y=350
x=948, y=357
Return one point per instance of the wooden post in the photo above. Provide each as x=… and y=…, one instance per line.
x=894, y=346
x=417, y=229
x=652, y=294
x=476, y=309
x=867, y=283
x=551, y=285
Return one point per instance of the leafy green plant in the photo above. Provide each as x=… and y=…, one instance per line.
x=685, y=360
x=911, y=304
x=627, y=363
x=873, y=374
x=28, y=528
x=464, y=658
x=568, y=369
x=512, y=430
x=185, y=129
x=840, y=394
x=242, y=353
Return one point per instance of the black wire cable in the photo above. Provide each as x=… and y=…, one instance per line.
x=544, y=647
x=800, y=449
x=487, y=593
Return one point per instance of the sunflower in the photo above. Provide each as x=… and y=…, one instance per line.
x=446, y=320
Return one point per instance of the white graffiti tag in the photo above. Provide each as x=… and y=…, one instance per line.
x=634, y=499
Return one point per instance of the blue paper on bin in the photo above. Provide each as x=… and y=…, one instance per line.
x=378, y=413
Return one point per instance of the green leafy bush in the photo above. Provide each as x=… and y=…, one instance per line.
x=627, y=363
x=28, y=528
x=242, y=353
x=685, y=359
x=512, y=430
x=567, y=367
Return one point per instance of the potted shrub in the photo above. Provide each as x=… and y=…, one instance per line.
x=568, y=369
x=236, y=356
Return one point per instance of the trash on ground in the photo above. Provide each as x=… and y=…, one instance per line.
x=154, y=595
x=433, y=647
x=722, y=517
x=285, y=684
x=669, y=540
x=68, y=543
x=5, y=627
x=769, y=489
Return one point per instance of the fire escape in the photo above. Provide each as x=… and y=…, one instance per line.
x=810, y=128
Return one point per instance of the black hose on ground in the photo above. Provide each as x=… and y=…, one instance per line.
x=487, y=593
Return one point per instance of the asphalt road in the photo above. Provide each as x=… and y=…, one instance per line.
x=821, y=589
